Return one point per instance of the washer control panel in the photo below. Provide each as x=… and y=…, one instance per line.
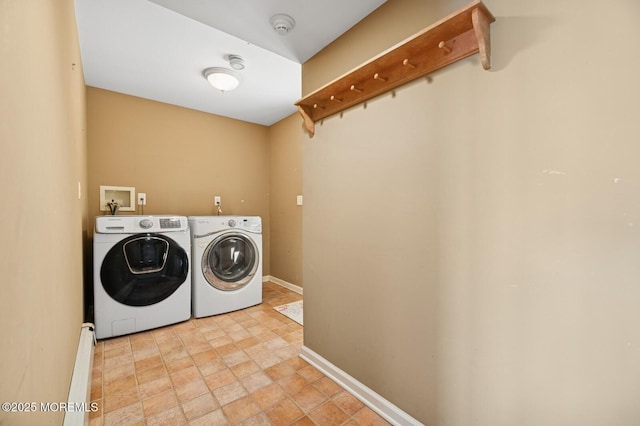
x=140, y=224
x=146, y=223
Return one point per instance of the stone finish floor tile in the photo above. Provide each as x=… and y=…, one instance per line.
x=240, y=368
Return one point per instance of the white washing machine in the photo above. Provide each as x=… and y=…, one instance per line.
x=142, y=275
x=227, y=259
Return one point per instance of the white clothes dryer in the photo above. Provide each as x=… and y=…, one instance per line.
x=227, y=258
x=142, y=275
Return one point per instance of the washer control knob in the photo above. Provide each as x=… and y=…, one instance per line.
x=146, y=223
x=232, y=223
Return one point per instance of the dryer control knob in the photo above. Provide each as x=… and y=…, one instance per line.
x=232, y=223
x=146, y=223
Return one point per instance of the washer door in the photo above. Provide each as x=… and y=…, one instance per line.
x=142, y=270
x=230, y=261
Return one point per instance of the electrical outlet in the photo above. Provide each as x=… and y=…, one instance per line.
x=142, y=199
x=216, y=200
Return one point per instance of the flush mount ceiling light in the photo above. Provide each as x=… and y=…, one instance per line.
x=282, y=23
x=222, y=79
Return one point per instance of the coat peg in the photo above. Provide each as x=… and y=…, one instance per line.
x=316, y=106
x=407, y=63
x=333, y=98
x=355, y=89
x=442, y=45
x=376, y=76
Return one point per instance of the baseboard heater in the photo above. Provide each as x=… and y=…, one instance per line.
x=78, y=407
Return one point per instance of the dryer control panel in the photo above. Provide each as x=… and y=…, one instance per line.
x=202, y=225
x=249, y=223
x=140, y=224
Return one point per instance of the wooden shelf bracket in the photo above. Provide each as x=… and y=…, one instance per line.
x=481, y=24
x=461, y=34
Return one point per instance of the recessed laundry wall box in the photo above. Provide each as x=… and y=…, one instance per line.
x=123, y=195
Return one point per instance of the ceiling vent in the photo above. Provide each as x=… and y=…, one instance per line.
x=282, y=23
x=236, y=62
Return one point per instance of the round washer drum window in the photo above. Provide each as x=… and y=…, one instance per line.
x=144, y=269
x=230, y=261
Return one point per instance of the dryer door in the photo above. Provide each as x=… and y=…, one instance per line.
x=144, y=269
x=230, y=261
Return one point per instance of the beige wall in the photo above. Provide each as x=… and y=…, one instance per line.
x=470, y=245
x=285, y=185
x=179, y=157
x=392, y=22
x=43, y=221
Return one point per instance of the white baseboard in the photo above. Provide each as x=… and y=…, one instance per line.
x=377, y=403
x=292, y=287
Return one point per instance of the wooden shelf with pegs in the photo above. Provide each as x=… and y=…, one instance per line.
x=459, y=35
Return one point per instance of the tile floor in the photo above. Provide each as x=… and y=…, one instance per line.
x=240, y=368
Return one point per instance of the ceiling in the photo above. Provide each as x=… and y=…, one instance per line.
x=158, y=49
